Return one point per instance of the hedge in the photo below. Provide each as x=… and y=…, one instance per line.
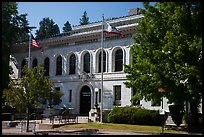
x=135, y=115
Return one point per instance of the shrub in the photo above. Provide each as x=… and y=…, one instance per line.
x=122, y=115
x=135, y=115
x=147, y=117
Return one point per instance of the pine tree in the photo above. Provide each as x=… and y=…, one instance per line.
x=85, y=19
x=47, y=28
x=67, y=27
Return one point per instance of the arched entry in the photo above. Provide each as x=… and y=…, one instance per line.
x=85, y=100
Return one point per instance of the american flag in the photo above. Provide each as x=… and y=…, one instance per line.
x=35, y=43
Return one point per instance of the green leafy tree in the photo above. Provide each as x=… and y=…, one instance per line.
x=85, y=19
x=54, y=99
x=13, y=27
x=167, y=52
x=30, y=93
x=67, y=27
x=47, y=28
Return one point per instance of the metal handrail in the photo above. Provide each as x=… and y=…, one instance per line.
x=24, y=121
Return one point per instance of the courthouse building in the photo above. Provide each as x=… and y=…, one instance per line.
x=73, y=62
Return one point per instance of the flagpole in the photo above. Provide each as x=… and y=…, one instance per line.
x=29, y=51
x=27, y=88
x=101, y=117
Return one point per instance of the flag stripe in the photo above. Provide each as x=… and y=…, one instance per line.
x=35, y=44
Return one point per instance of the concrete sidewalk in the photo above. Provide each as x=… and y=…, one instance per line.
x=44, y=130
x=14, y=131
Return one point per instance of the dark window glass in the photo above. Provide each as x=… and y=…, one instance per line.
x=70, y=95
x=119, y=60
x=99, y=100
x=87, y=63
x=22, y=65
x=117, y=90
x=104, y=62
x=72, y=65
x=35, y=63
x=117, y=95
x=57, y=88
x=59, y=66
x=47, y=66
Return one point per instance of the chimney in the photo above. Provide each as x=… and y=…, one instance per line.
x=134, y=11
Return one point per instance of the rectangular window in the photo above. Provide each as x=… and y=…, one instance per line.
x=117, y=90
x=99, y=100
x=70, y=95
x=117, y=95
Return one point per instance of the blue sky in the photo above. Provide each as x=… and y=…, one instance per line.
x=61, y=12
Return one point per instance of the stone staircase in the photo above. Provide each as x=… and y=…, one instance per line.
x=83, y=119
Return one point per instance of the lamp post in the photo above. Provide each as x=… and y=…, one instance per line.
x=162, y=89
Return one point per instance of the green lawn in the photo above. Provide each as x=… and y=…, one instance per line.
x=120, y=127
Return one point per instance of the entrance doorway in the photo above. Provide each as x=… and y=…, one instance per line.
x=85, y=100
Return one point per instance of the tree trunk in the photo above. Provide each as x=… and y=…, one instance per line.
x=5, y=69
x=193, y=117
x=27, y=111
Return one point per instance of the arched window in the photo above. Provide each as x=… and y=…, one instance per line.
x=104, y=62
x=119, y=60
x=87, y=63
x=46, y=66
x=35, y=63
x=72, y=65
x=59, y=66
x=22, y=65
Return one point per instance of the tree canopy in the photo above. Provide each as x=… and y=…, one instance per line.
x=67, y=27
x=14, y=28
x=47, y=28
x=167, y=52
x=30, y=92
x=84, y=19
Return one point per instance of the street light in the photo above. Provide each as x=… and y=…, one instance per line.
x=162, y=89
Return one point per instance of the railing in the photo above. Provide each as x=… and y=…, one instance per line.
x=23, y=124
x=63, y=117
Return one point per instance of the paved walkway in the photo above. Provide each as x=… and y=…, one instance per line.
x=14, y=131
x=17, y=131
x=56, y=131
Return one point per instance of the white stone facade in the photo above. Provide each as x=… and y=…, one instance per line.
x=83, y=39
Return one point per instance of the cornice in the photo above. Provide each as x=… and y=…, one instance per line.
x=75, y=36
